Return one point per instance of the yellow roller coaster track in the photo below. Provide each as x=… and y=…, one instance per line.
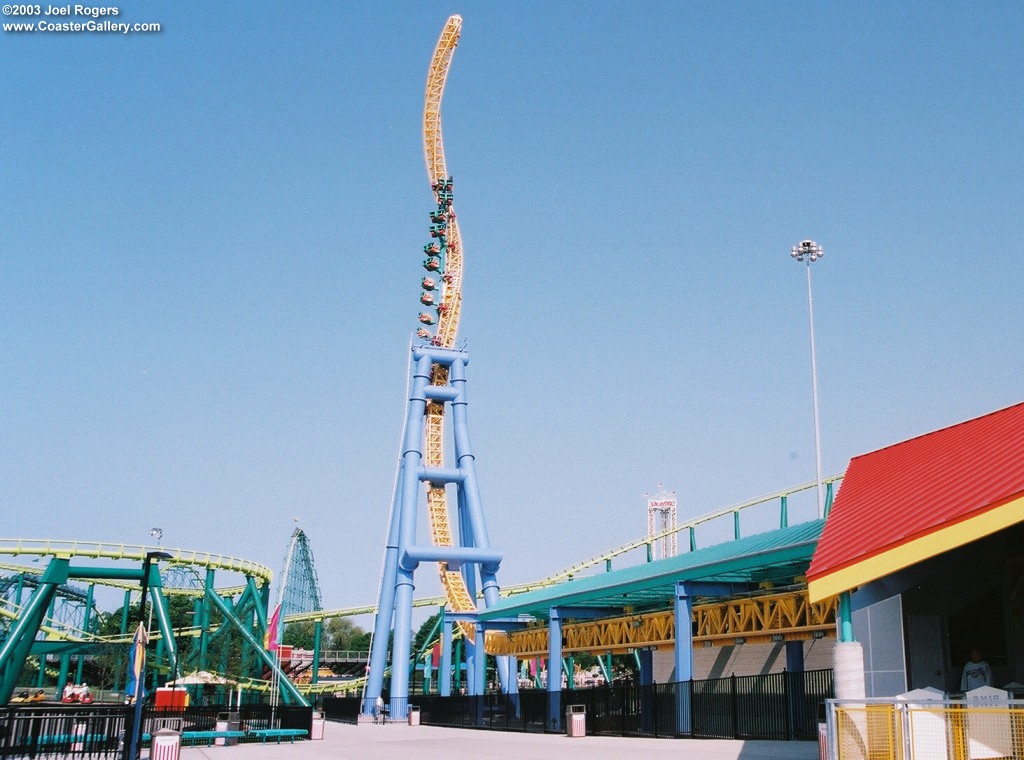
x=67, y=549
x=456, y=593
x=789, y=616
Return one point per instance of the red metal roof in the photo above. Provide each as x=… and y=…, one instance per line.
x=905, y=492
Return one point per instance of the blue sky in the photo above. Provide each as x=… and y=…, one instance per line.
x=210, y=241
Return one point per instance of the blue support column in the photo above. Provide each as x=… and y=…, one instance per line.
x=683, y=616
x=403, y=556
x=472, y=685
x=647, y=690
x=646, y=667
x=480, y=673
x=554, y=687
x=397, y=583
x=444, y=674
x=470, y=495
x=796, y=692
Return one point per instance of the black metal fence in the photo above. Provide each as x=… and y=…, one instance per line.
x=778, y=706
x=99, y=731
x=52, y=731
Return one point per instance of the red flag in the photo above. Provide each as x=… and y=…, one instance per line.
x=270, y=638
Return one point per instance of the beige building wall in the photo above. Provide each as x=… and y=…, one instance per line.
x=742, y=660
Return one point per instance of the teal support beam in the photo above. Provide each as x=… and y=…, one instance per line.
x=828, y=497
x=18, y=644
x=608, y=565
x=736, y=524
x=318, y=634
x=204, y=631
x=125, y=609
x=570, y=672
x=693, y=539
x=62, y=675
x=288, y=689
x=41, y=675
x=650, y=552
x=124, y=628
x=845, y=618
x=197, y=623
x=87, y=627
x=784, y=512
x=163, y=618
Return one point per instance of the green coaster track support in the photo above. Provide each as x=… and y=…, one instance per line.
x=288, y=691
x=21, y=640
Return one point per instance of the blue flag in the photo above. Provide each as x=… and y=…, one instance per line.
x=136, y=688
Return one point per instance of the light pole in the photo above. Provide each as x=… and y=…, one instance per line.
x=808, y=249
x=134, y=749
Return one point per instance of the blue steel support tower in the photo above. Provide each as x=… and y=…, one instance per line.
x=403, y=555
x=467, y=565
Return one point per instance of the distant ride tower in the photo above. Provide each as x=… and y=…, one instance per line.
x=661, y=518
x=299, y=590
x=437, y=391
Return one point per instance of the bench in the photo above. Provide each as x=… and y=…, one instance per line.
x=208, y=737
x=49, y=740
x=205, y=737
x=278, y=733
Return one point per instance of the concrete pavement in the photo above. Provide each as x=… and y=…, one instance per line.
x=343, y=741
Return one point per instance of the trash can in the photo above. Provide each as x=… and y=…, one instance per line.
x=414, y=715
x=166, y=745
x=576, y=720
x=227, y=721
x=317, y=729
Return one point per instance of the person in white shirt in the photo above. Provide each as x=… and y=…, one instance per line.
x=976, y=673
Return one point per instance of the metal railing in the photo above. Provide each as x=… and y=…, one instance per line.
x=329, y=656
x=777, y=706
x=925, y=730
x=99, y=731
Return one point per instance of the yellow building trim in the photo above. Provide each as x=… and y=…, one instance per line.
x=937, y=542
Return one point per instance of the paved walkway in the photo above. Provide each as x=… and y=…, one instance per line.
x=343, y=741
